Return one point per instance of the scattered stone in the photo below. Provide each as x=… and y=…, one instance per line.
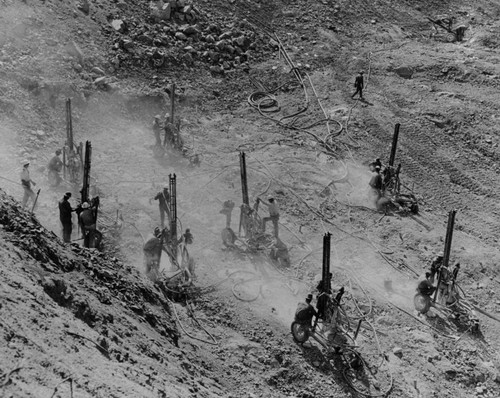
x=119, y=25
x=398, y=351
x=98, y=71
x=404, y=71
x=180, y=36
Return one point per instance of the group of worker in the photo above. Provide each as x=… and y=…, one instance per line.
x=327, y=310
x=171, y=133
x=86, y=219
x=440, y=278
x=382, y=179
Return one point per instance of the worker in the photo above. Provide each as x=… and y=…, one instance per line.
x=152, y=254
x=436, y=264
x=305, y=312
x=274, y=215
x=426, y=287
x=65, y=211
x=26, y=182
x=87, y=223
x=169, y=129
x=157, y=130
x=163, y=198
x=279, y=252
x=374, y=164
x=359, y=85
x=376, y=186
x=54, y=167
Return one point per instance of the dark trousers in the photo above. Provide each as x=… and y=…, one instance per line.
x=360, y=91
x=67, y=228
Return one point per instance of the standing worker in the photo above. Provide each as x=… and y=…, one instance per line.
x=26, y=182
x=65, y=217
x=359, y=85
x=376, y=188
x=157, y=130
x=163, y=198
x=305, y=312
x=54, y=167
x=87, y=223
x=274, y=215
x=169, y=132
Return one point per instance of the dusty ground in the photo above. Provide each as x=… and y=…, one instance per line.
x=444, y=95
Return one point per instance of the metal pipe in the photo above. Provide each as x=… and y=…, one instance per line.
x=447, y=248
x=244, y=181
x=394, y=144
x=173, y=213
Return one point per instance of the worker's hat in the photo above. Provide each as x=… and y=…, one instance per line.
x=377, y=167
x=157, y=117
x=25, y=162
x=58, y=152
x=68, y=194
x=269, y=197
x=85, y=205
x=440, y=254
x=309, y=297
x=361, y=72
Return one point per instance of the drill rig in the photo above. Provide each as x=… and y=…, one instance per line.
x=442, y=290
x=391, y=187
x=250, y=237
x=72, y=153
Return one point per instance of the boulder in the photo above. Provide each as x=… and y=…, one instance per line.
x=226, y=35
x=405, y=72
x=145, y=38
x=119, y=25
x=189, y=29
x=166, y=12
x=180, y=36
x=216, y=70
x=97, y=71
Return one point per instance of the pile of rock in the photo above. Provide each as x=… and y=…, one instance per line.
x=177, y=34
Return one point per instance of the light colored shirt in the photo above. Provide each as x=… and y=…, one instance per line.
x=25, y=175
x=273, y=209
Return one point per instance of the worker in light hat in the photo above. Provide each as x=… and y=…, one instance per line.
x=26, y=182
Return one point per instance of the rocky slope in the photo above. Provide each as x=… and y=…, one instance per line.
x=72, y=318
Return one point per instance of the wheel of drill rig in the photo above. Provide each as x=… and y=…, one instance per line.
x=300, y=332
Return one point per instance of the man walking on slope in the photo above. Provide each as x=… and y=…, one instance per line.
x=359, y=85
x=65, y=217
x=26, y=182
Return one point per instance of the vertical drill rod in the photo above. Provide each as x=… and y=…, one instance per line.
x=394, y=144
x=244, y=183
x=69, y=125
x=173, y=212
x=325, y=274
x=86, y=172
